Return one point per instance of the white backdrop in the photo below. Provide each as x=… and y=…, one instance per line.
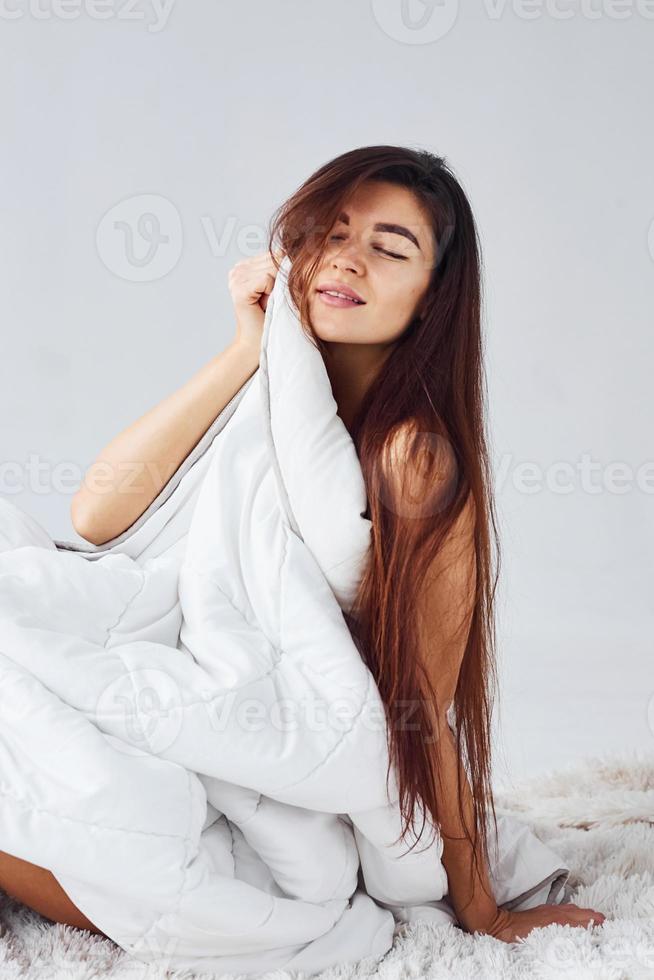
x=207, y=116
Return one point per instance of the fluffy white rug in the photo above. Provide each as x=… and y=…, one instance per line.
x=598, y=814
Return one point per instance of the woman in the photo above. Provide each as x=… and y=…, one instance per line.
x=386, y=276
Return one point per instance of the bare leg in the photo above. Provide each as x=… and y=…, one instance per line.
x=39, y=890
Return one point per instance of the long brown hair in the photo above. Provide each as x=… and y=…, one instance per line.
x=433, y=380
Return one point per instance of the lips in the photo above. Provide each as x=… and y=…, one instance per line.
x=342, y=289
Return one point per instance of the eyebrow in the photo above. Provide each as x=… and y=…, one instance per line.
x=386, y=226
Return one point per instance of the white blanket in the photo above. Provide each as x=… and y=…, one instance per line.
x=189, y=739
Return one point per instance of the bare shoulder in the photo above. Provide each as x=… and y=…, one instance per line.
x=419, y=469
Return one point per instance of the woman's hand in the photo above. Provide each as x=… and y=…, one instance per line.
x=250, y=283
x=511, y=926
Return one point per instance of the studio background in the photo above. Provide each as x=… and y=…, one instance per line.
x=208, y=117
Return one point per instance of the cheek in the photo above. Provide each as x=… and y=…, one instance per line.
x=400, y=301
x=398, y=304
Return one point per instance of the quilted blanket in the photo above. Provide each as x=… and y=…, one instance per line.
x=189, y=738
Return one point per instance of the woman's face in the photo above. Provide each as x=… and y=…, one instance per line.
x=388, y=268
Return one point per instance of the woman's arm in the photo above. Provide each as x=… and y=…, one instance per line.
x=474, y=904
x=131, y=470
x=445, y=611
x=470, y=893
x=446, y=604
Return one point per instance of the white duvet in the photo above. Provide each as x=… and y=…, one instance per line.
x=189, y=739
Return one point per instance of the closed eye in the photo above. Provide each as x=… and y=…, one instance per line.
x=379, y=248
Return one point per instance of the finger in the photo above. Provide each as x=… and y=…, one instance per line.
x=593, y=912
x=571, y=917
x=266, y=292
x=261, y=288
x=586, y=920
x=578, y=914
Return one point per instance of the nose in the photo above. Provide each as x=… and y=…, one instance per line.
x=347, y=255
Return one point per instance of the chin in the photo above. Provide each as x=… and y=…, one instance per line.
x=333, y=325
x=328, y=330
